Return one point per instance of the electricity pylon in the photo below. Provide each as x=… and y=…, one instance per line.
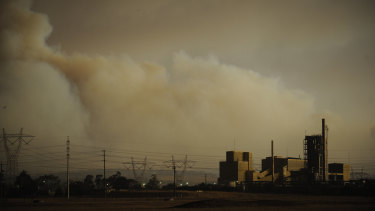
x=174, y=164
x=184, y=165
x=12, y=145
x=139, y=168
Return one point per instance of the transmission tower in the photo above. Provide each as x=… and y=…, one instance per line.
x=138, y=167
x=12, y=145
x=179, y=177
x=185, y=164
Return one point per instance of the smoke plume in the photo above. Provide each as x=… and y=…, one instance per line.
x=113, y=100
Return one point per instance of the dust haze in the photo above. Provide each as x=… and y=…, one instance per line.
x=193, y=104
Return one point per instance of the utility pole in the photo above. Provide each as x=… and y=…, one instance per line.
x=174, y=177
x=273, y=162
x=67, y=166
x=205, y=179
x=105, y=182
x=174, y=164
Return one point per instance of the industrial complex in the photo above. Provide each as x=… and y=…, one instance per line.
x=313, y=168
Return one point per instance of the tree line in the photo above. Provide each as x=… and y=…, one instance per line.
x=51, y=185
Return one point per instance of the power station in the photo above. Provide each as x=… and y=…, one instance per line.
x=313, y=169
x=316, y=155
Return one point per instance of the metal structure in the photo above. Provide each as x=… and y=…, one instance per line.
x=174, y=164
x=2, y=184
x=67, y=167
x=180, y=177
x=12, y=145
x=104, y=179
x=138, y=168
x=273, y=163
x=316, y=155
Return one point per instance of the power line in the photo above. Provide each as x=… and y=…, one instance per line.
x=12, y=145
x=139, y=168
x=174, y=164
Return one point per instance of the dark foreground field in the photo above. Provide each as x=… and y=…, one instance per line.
x=196, y=201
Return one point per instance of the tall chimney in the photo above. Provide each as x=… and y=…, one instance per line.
x=324, y=150
x=273, y=162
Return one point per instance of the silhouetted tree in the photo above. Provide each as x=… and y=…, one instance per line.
x=112, y=179
x=99, y=181
x=89, y=183
x=121, y=183
x=133, y=184
x=48, y=184
x=82, y=187
x=168, y=186
x=25, y=184
x=77, y=188
x=153, y=183
x=2, y=184
x=118, y=182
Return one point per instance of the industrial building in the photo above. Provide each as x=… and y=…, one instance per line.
x=314, y=168
x=316, y=155
x=285, y=168
x=338, y=172
x=238, y=168
x=234, y=169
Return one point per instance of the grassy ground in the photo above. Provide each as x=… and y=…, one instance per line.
x=196, y=201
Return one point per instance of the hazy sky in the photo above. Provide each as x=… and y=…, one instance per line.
x=325, y=48
x=192, y=76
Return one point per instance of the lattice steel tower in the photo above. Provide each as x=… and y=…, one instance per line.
x=179, y=177
x=12, y=145
x=139, y=168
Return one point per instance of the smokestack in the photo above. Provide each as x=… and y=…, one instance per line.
x=324, y=150
x=273, y=161
x=323, y=128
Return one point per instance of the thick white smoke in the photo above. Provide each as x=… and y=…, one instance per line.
x=195, y=103
x=33, y=94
